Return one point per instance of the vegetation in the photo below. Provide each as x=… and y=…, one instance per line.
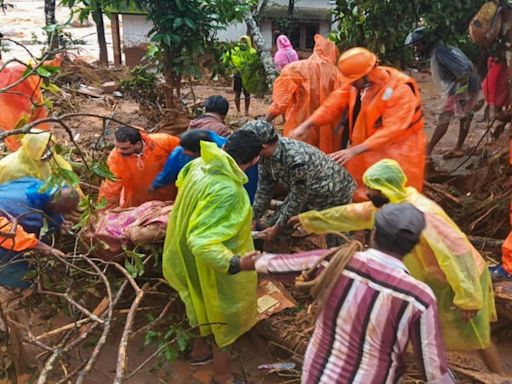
x=185, y=30
x=373, y=24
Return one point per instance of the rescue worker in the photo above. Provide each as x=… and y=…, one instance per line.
x=35, y=158
x=385, y=118
x=313, y=180
x=33, y=209
x=302, y=87
x=444, y=259
x=22, y=103
x=456, y=78
x=135, y=162
x=209, y=229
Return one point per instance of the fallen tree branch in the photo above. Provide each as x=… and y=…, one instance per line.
x=122, y=357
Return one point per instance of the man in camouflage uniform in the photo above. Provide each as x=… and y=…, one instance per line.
x=314, y=180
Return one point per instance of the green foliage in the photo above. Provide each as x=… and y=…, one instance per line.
x=141, y=84
x=172, y=342
x=382, y=26
x=184, y=30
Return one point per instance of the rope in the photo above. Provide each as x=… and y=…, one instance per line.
x=321, y=286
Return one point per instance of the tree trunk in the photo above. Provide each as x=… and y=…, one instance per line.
x=49, y=14
x=97, y=16
x=291, y=7
x=259, y=44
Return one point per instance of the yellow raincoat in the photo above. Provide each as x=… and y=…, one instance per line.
x=209, y=224
x=26, y=161
x=444, y=259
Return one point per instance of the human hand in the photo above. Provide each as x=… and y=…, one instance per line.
x=248, y=261
x=343, y=156
x=294, y=221
x=300, y=133
x=269, y=234
x=468, y=314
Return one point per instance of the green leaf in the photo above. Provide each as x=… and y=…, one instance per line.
x=190, y=23
x=70, y=177
x=182, y=339
x=102, y=170
x=178, y=22
x=102, y=204
x=52, y=88
x=50, y=28
x=43, y=72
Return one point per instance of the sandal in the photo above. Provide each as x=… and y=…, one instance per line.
x=202, y=361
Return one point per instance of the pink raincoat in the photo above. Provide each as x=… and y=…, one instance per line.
x=285, y=53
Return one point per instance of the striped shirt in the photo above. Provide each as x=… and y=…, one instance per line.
x=374, y=310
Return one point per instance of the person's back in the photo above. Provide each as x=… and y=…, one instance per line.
x=367, y=321
x=216, y=109
x=322, y=174
x=210, y=122
x=209, y=228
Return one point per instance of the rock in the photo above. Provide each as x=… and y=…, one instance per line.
x=109, y=87
x=117, y=94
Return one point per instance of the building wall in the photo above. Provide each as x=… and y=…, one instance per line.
x=135, y=30
x=324, y=4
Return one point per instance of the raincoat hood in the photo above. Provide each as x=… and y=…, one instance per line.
x=387, y=177
x=34, y=145
x=215, y=160
x=325, y=49
x=283, y=42
x=247, y=40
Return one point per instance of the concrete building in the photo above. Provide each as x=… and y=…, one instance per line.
x=130, y=27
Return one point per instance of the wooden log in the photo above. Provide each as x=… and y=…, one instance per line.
x=442, y=192
x=485, y=242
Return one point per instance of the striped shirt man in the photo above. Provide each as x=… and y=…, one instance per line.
x=374, y=310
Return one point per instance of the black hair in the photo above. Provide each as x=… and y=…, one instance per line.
x=190, y=139
x=124, y=134
x=273, y=140
x=400, y=244
x=243, y=146
x=217, y=104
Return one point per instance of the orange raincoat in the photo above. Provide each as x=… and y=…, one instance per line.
x=135, y=173
x=302, y=87
x=20, y=102
x=389, y=123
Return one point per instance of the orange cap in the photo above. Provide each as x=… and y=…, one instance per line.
x=356, y=63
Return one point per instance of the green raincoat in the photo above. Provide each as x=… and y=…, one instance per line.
x=209, y=224
x=247, y=62
x=444, y=258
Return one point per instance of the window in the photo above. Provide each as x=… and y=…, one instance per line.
x=301, y=37
x=310, y=30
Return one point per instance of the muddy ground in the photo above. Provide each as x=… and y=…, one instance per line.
x=23, y=23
